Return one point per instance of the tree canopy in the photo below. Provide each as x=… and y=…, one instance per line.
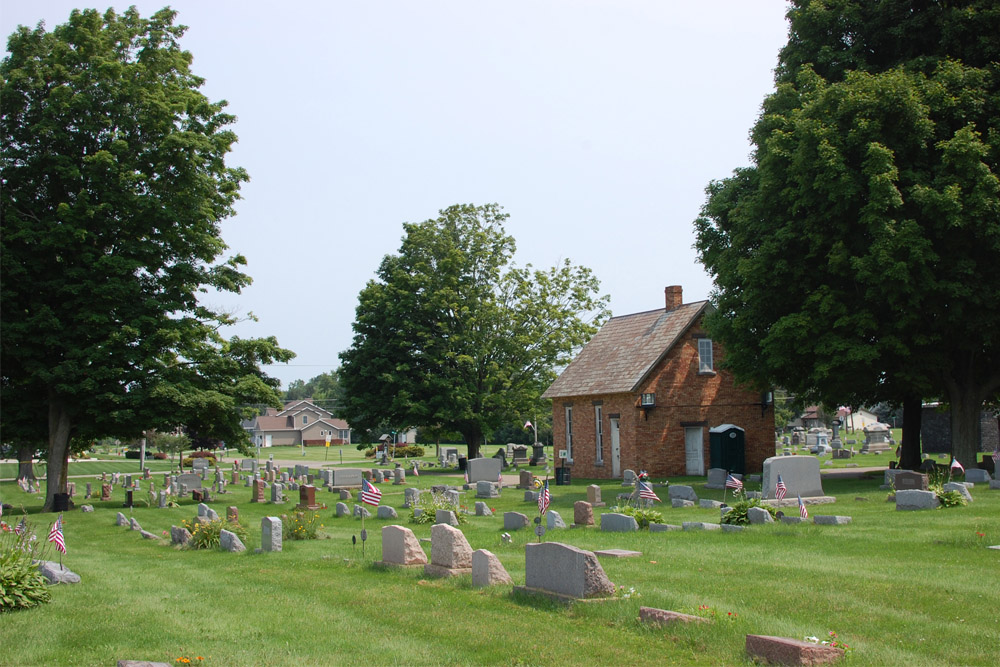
x=114, y=183
x=858, y=258
x=450, y=334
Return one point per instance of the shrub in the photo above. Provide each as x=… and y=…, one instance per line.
x=737, y=516
x=202, y=454
x=206, y=535
x=950, y=498
x=410, y=451
x=189, y=462
x=430, y=504
x=370, y=453
x=300, y=526
x=643, y=515
x=160, y=456
x=21, y=585
x=132, y=454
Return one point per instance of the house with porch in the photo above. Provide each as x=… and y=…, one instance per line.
x=299, y=422
x=644, y=394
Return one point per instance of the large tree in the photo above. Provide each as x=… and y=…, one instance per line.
x=114, y=183
x=452, y=335
x=858, y=258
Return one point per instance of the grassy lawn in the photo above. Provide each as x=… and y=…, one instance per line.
x=899, y=587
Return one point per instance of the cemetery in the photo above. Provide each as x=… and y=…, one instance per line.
x=689, y=588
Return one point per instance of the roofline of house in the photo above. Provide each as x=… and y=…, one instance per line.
x=705, y=305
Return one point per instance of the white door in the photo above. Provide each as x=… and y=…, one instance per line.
x=615, y=450
x=694, y=449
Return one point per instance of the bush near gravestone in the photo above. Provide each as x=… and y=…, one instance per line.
x=21, y=584
x=189, y=461
x=737, y=516
x=300, y=526
x=132, y=454
x=206, y=535
x=409, y=451
x=430, y=503
x=936, y=482
x=642, y=515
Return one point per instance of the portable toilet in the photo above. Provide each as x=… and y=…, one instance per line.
x=727, y=447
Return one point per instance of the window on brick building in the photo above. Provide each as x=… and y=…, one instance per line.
x=569, y=432
x=599, y=433
x=705, y=355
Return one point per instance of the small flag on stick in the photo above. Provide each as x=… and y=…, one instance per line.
x=733, y=483
x=416, y=470
x=527, y=424
x=956, y=465
x=466, y=475
x=56, y=536
x=369, y=494
x=646, y=491
x=544, y=498
x=780, y=489
x=803, y=512
x=996, y=456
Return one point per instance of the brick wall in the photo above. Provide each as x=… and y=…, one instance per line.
x=653, y=439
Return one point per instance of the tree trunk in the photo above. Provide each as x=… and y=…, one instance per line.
x=912, y=415
x=473, y=439
x=59, y=428
x=966, y=407
x=25, y=468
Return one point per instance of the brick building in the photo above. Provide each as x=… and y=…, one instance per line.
x=644, y=392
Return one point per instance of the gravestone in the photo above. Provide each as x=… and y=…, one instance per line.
x=977, y=475
x=960, y=487
x=451, y=554
x=681, y=492
x=594, y=496
x=398, y=476
x=554, y=520
x=189, y=479
x=233, y=514
x=257, y=494
x=386, y=512
x=445, y=517
x=628, y=477
x=453, y=497
x=906, y=479
x=618, y=523
x=179, y=535
x=341, y=510
x=128, y=499
x=915, y=499
x=400, y=547
x=411, y=497
x=759, y=515
x=767, y=649
x=514, y=521
x=484, y=470
x=230, y=542
x=378, y=476
x=531, y=496
x=270, y=533
x=486, y=489
x=526, y=480
x=346, y=477
x=346, y=495
x=800, y=475
x=482, y=509
x=105, y=492
x=583, y=513
x=565, y=571
x=89, y=491
x=700, y=525
x=307, y=498
x=277, y=493
x=487, y=570
x=716, y=478
x=360, y=511
x=831, y=520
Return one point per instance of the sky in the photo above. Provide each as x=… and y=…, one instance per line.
x=597, y=126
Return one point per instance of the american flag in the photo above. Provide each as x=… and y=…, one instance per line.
x=20, y=528
x=733, y=483
x=466, y=475
x=416, y=470
x=544, y=498
x=56, y=535
x=780, y=489
x=500, y=477
x=803, y=512
x=996, y=456
x=956, y=464
x=369, y=494
x=646, y=491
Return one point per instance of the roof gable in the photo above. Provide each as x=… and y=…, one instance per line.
x=624, y=352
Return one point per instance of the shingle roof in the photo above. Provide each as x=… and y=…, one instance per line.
x=620, y=356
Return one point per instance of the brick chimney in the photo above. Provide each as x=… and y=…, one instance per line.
x=674, y=296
